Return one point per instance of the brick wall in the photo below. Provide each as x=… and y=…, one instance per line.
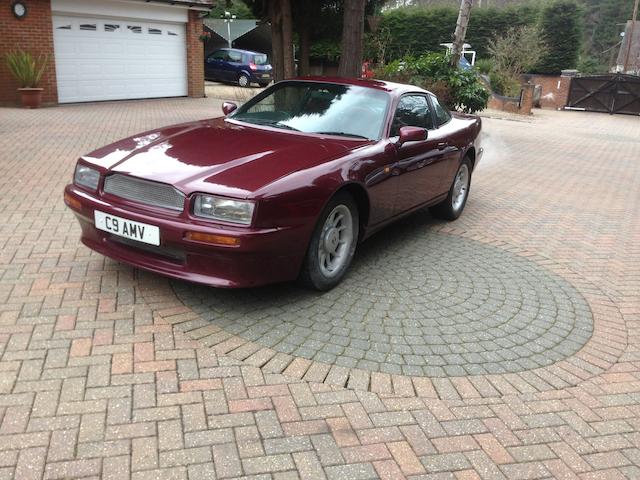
x=34, y=33
x=555, y=90
x=195, y=55
x=522, y=105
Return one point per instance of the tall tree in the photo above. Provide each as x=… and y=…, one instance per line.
x=352, y=34
x=281, y=21
x=303, y=15
x=561, y=30
x=461, y=31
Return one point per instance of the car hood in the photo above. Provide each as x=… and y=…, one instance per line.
x=218, y=156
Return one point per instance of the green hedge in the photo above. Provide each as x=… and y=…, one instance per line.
x=415, y=31
x=561, y=29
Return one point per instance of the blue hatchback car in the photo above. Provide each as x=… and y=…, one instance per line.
x=241, y=66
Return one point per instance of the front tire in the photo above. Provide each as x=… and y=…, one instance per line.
x=332, y=245
x=451, y=207
x=243, y=80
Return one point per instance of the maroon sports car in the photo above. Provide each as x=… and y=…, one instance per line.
x=282, y=188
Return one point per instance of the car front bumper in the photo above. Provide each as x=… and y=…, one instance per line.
x=262, y=256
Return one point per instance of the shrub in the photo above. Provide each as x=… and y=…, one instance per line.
x=517, y=51
x=458, y=89
x=504, y=84
x=26, y=68
x=484, y=65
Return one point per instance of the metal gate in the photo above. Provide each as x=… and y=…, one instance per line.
x=613, y=93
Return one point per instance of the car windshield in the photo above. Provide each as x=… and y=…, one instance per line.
x=323, y=108
x=260, y=59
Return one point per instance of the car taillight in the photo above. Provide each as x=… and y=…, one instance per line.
x=252, y=66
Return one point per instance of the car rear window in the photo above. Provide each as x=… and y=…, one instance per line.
x=260, y=59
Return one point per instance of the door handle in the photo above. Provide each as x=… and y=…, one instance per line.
x=443, y=145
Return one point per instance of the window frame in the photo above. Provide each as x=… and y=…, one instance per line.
x=412, y=94
x=222, y=51
x=433, y=110
x=231, y=60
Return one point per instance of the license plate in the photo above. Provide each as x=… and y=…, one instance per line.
x=266, y=75
x=123, y=227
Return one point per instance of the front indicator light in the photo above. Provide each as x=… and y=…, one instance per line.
x=213, y=239
x=72, y=203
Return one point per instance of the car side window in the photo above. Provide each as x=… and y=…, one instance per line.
x=412, y=111
x=235, y=56
x=219, y=55
x=442, y=114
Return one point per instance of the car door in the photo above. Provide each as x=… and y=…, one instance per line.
x=213, y=65
x=233, y=65
x=444, y=135
x=419, y=164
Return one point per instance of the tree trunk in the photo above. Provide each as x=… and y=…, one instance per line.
x=287, y=40
x=352, y=32
x=275, y=18
x=461, y=31
x=281, y=39
x=304, y=36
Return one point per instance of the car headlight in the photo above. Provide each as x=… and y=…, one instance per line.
x=86, y=177
x=226, y=209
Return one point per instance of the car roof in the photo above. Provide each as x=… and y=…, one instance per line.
x=250, y=52
x=391, y=87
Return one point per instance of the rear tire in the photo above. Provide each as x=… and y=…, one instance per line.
x=332, y=244
x=451, y=207
x=243, y=80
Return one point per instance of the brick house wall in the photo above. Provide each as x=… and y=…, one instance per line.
x=34, y=33
x=195, y=55
x=555, y=90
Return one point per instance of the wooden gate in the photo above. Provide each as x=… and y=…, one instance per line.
x=613, y=93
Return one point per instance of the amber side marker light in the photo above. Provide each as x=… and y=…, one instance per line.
x=72, y=202
x=213, y=239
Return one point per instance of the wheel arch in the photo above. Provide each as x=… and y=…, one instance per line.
x=470, y=153
x=361, y=197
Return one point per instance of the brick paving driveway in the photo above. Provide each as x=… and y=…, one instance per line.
x=110, y=372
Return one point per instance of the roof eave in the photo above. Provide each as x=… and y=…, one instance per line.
x=191, y=5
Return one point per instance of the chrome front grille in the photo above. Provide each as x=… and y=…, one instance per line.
x=144, y=191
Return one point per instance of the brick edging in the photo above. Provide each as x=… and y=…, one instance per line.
x=599, y=354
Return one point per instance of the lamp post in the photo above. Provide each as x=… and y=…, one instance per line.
x=228, y=18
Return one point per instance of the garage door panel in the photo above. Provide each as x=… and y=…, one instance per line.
x=110, y=59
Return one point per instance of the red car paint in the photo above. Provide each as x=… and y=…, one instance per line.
x=290, y=175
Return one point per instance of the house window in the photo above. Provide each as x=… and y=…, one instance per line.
x=111, y=27
x=64, y=27
x=155, y=31
x=172, y=33
x=88, y=26
x=135, y=28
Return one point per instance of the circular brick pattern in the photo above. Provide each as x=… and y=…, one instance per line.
x=418, y=303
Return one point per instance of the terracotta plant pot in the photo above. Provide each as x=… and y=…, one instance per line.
x=31, y=97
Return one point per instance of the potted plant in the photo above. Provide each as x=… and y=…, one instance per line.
x=28, y=71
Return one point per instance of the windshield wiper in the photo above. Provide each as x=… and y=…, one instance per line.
x=284, y=125
x=269, y=123
x=342, y=134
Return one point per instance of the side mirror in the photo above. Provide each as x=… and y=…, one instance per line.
x=228, y=107
x=412, y=134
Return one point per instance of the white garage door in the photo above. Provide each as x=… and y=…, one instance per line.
x=111, y=59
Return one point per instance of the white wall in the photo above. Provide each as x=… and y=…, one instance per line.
x=121, y=8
